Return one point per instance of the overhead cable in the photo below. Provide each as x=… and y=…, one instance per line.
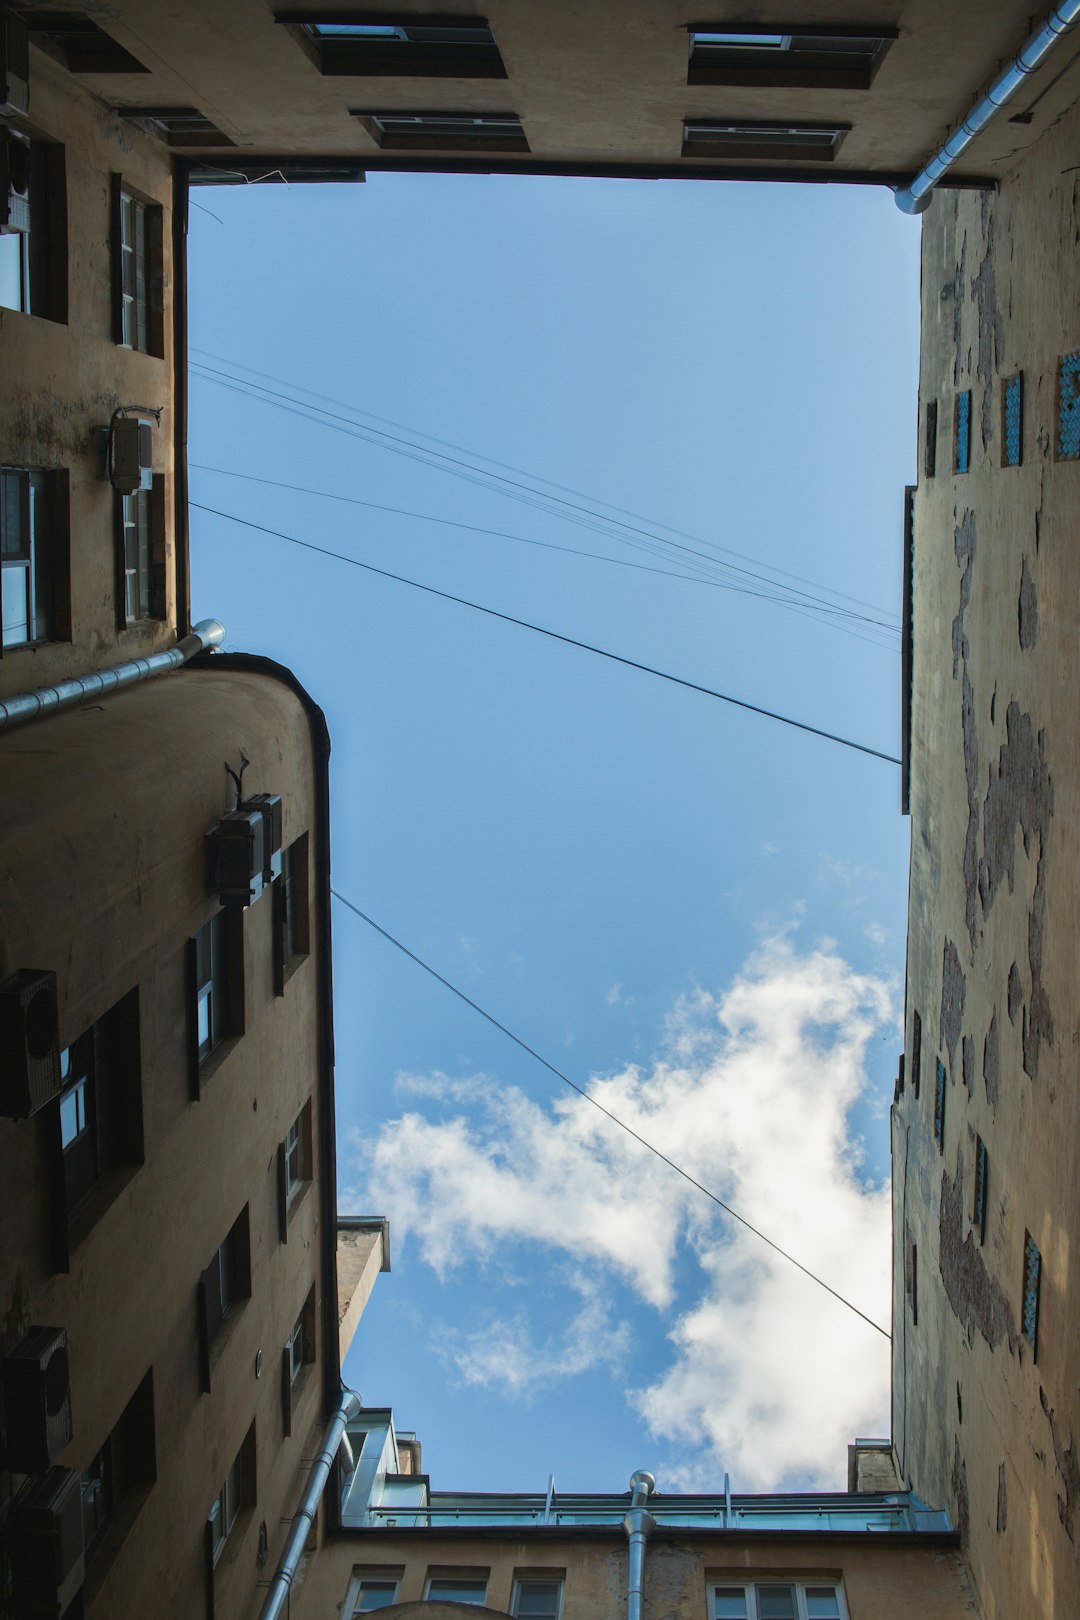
x=621, y=1123
x=554, y=635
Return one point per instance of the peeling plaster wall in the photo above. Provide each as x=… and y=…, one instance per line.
x=980, y=1425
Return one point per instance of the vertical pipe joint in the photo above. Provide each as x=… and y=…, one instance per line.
x=639, y=1525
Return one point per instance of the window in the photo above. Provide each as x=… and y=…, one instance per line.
x=1029, y=1311
x=98, y=1130
x=962, y=433
x=237, y=1494
x=78, y=43
x=981, y=1173
x=814, y=58
x=912, y=1282
x=930, y=454
x=939, y=1106
x=297, y=1356
x=445, y=132
x=33, y=258
x=374, y=1588
x=223, y=1287
x=33, y=554
x=1012, y=421
x=141, y=554
x=916, y=1052
x=216, y=958
x=137, y=237
x=176, y=126
x=456, y=1586
x=382, y=45
x=1068, y=433
x=536, y=1598
x=779, y=1600
x=294, y=1167
x=117, y=1479
x=291, y=931
x=795, y=143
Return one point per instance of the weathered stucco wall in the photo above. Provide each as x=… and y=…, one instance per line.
x=980, y=1423
x=102, y=878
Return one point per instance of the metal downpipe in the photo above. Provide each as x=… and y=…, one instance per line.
x=277, y=1599
x=914, y=198
x=26, y=706
x=639, y=1525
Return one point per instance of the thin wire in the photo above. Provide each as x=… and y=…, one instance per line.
x=621, y=1123
x=536, y=477
x=499, y=534
x=554, y=635
x=529, y=496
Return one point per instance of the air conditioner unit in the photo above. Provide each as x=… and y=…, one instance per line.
x=29, y=1042
x=235, y=858
x=131, y=454
x=269, y=806
x=36, y=1387
x=14, y=64
x=45, y=1542
x=14, y=183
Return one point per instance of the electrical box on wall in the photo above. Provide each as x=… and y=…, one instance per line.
x=45, y=1544
x=34, y=1377
x=131, y=454
x=235, y=858
x=14, y=183
x=14, y=64
x=29, y=1042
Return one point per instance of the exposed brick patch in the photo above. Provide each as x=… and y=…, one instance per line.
x=1002, y=1501
x=1016, y=993
x=976, y=1298
x=953, y=991
x=967, y=1056
x=1027, y=609
x=1068, y=1467
x=992, y=1062
x=960, y=1493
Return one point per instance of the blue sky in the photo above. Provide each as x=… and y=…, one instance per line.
x=695, y=912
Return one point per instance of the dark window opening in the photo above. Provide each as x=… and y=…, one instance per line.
x=223, y=1287
x=1012, y=421
x=939, y=1106
x=176, y=126
x=237, y=1496
x=140, y=554
x=291, y=925
x=803, y=143
x=1068, y=431
x=116, y=1480
x=278, y=171
x=1029, y=1315
x=930, y=456
x=34, y=556
x=981, y=1175
x=33, y=210
x=295, y=1167
x=216, y=1006
x=445, y=131
x=382, y=44
x=916, y=1052
x=78, y=43
x=962, y=433
x=805, y=58
x=297, y=1356
x=913, y=1281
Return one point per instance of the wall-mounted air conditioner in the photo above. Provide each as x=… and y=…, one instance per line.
x=36, y=1385
x=269, y=806
x=131, y=454
x=29, y=1042
x=235, y=858
x=45, y=1543
x=14, y=64
x=14, y=183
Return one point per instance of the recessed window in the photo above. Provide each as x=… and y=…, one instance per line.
x=140, y=554
x=137, y=237
x=384, y=44
x=223, y=1288
x=33, y=209
x=99, y=1117
x=1029, y=1311
x=812, y=58
x=1012, y=421
x=982, y=1167
x=536, y=1598
x=216, y=957
x=176, y=126
x=456, y=1586
x=372, y=1588
x=793, y=143
x=294, y=1167
x=33, y=555
x=779, y=1600
x=297, y=1356
x=939, y=1106
x=962, y=433
x=916, y=1052
x=445, y=132
x=1068, y=427
x=930, y=453
x=117, y=1479
x=291, y=930
x=911, y=1281
x=236, y=1496
x=77, y=41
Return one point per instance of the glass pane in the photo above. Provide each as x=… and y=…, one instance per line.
x=72, y=1114
x=205, y=1038
x=729, y=1603
x=357, y=31
x=40, y=557
x=375, y=1595
x=759, y=42
x=449, y=1591
x=16, y=603
x=822, y=1603
x=777, y=1603
x=14, y=523
x=537, y=1600
x=11, y=272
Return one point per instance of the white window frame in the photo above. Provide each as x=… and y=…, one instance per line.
x=365, y=1577
x=294, y=1158
x=134, y=296
x=554, y=1579
x=223, y=1514
x=800, y=1585
x=458, y=1578
x=29, y=563
x=136, y=524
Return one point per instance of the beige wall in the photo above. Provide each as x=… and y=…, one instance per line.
x=102, y=878
x=884, y=1577
x=979, y=1423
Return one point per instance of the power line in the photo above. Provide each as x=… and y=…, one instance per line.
x=640, y=538
x=524, y=473
x=621, y=1123
x=555, y=635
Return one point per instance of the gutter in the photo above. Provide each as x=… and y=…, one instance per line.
x=914, y=198
x=639, y=1525
x=26, y=706
x=181, y=521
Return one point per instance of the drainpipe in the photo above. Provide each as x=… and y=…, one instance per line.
x=915, y=198
x=277, y=1599
x=639, y=1525
x=26, y=706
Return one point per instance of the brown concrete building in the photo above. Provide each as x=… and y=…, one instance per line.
x=986, y=1128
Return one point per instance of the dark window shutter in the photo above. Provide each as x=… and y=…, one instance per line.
x=157, y=547
x=193, y=1018
x=286, y=1392
x=208, y=1562
x=210, y=1315
x=155, y=280
x=115, y=234
x=279, y=924
x=283, y=1193
x=49, y=1127
x=249, y=1484
x=118, y=552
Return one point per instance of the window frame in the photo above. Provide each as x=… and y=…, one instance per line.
x=962, y=433
x=224, y=1288
x=222, y=936
x=538, y=1577
x=801, y=1586
x=292, y=912
x=750, y=140
x=140, y=565
x=295, y=1167
x=480, y=132
x=941, y=1087
x=466, y=1578
x=789, y=65
x=43, y=249
x=42, y=550
x=1012, y=387
x=407, y=48
x=144, y=330
x=126, y=1463
x=370, y=1575
x=236, y=1497
x=177, y=126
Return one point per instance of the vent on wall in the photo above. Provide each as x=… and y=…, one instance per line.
x=46, y=1544
x=14, y=64
x=37, y=1400
x=29, y=1042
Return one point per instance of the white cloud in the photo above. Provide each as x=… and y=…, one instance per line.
x=876, y=934
x=767, y=1375
x=614, y=995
